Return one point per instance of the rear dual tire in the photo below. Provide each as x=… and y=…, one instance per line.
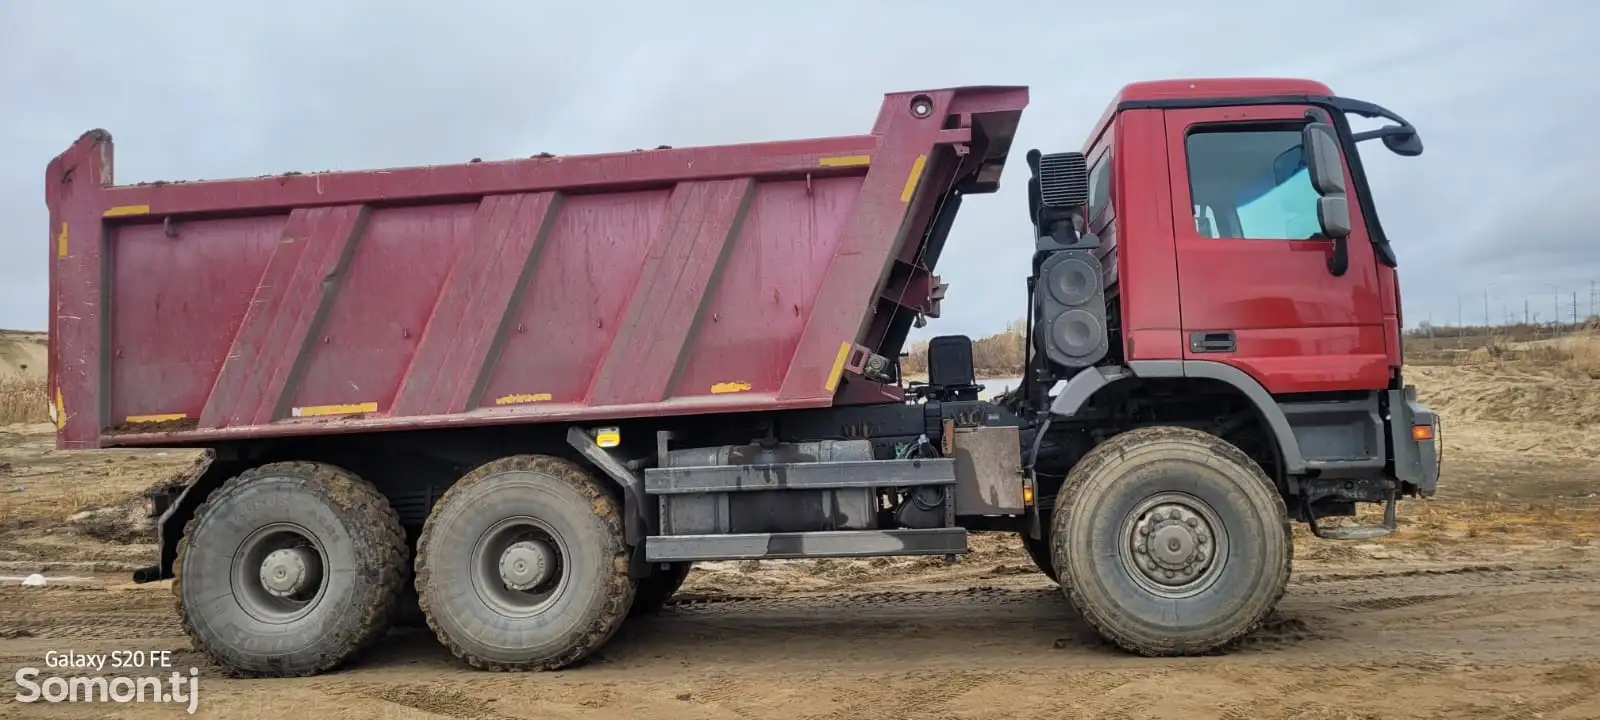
x=522, y=565
x=1171, y=541
x=289, y=569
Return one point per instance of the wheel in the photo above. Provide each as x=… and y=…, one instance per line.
x=1039, y=551
x=522, y=565
x=653, y=592
x=289, y=569
x=1179, y=543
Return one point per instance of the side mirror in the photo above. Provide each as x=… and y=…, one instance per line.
x=1333, y=213
x=1327, y=178
x=1404, y=144
x=1322, y=159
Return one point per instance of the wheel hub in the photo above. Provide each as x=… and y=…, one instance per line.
x=289, y=572
x=526, y=564
x=1172, y=544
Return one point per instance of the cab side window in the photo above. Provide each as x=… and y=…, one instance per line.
x=1100, y=186
x=1250, y=182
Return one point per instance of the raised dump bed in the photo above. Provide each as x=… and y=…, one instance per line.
x=647, y=283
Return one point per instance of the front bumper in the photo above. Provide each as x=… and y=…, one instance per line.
x=1414, y=434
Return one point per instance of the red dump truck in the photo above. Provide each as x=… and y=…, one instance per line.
x=525, y=396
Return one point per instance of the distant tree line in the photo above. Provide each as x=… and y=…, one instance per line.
x=999, y=355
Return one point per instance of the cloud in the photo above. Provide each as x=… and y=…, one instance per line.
x=207, y=90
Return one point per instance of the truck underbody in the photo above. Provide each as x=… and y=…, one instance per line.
x=883, y=480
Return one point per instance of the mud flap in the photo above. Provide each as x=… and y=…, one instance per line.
x=173, y=502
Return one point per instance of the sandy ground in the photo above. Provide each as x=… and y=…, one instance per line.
x=1485, y=605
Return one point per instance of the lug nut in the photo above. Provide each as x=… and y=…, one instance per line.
x=1193, y=522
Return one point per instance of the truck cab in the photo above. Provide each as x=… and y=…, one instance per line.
x=1213, y=260
x=1229, y=252
x=1228, y=221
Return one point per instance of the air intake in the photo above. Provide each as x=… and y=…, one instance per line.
x=1064, y=180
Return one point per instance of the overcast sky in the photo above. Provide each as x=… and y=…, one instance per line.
x=1506, y=95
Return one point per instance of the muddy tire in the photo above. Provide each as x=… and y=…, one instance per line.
x=1039, y=552
x=653, y=592
x=289, y=569
x=522, y=565
x=1180, y=545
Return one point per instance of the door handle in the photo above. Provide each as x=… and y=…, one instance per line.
x=1212, y=342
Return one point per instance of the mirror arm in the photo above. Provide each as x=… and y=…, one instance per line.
x=1368, y=110
x=1384, y=131
x=1339, y=261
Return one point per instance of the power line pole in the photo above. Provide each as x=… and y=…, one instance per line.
x=1574, y=309
x=1527, y=318
x=1486, y=321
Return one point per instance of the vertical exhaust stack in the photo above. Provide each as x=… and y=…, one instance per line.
x=1068, y=304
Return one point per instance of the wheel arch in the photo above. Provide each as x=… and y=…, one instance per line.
x=1085, y=386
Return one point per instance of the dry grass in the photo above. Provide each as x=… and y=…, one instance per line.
x=23, y=400
x=1575, y=356
x=1586, y=357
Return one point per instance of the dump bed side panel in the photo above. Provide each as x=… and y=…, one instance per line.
x=646, y=283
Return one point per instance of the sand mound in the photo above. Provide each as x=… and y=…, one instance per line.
x=1509, y=393
x=22, y=354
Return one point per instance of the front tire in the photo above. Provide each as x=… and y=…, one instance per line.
x=289, y=569
x=1179, y=543
x=522, y=565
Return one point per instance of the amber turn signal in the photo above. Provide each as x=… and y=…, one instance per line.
x=1421, y=433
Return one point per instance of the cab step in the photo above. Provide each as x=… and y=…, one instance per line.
x=1356, y=532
